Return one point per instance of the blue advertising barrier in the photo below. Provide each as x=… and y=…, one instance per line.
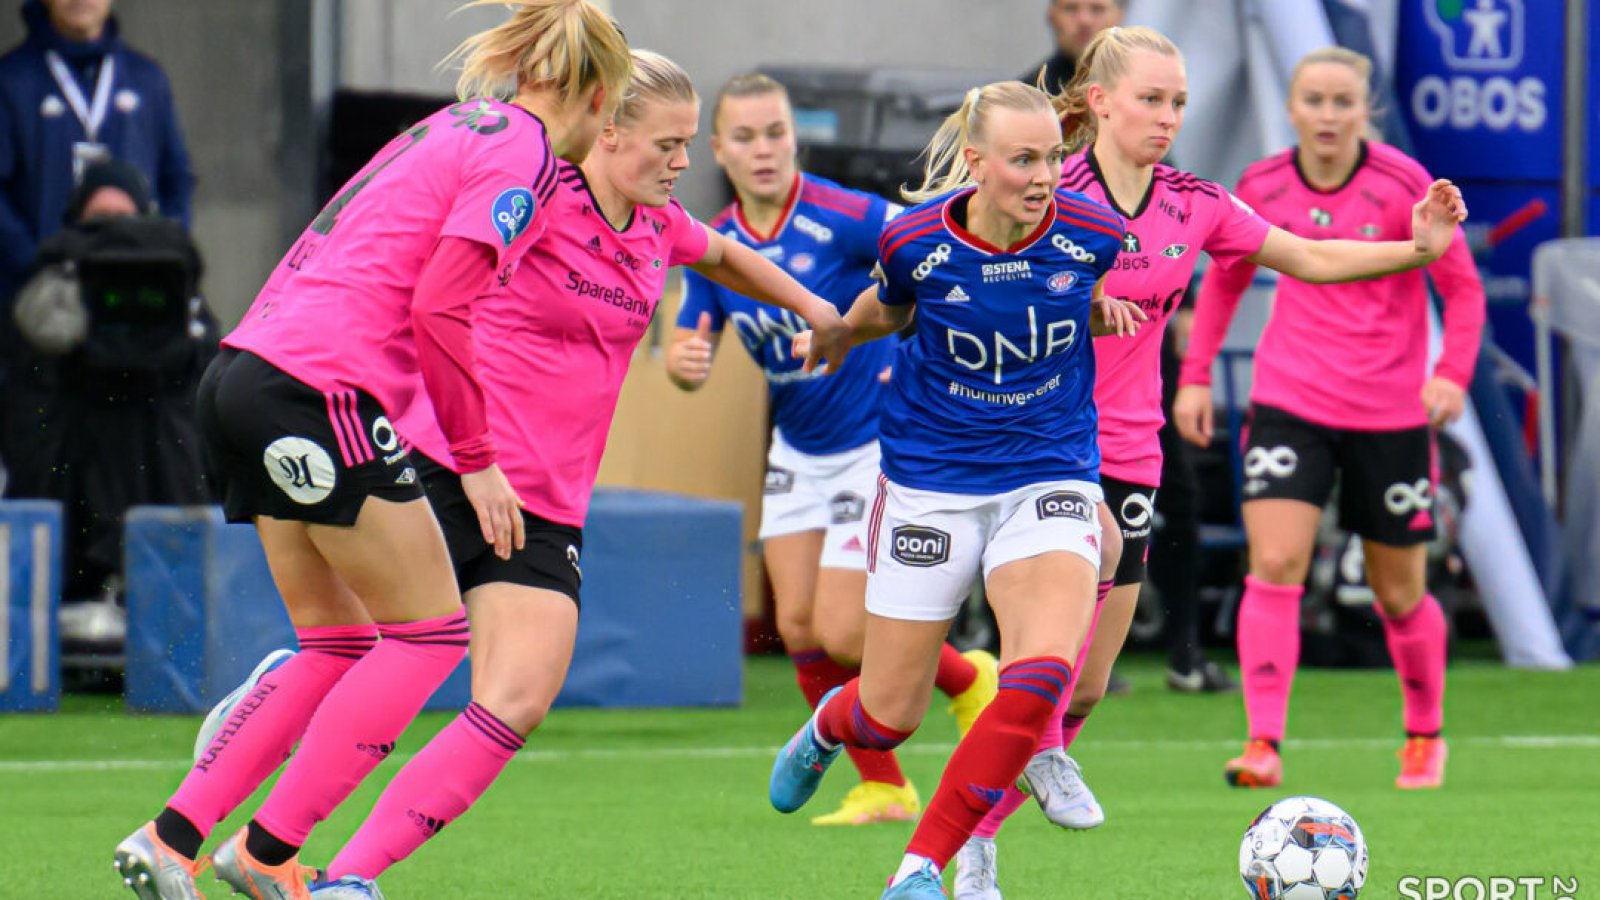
x=30, y=600
x=660, y=624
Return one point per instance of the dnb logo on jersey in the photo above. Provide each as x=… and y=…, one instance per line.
x=1064, y=505
x=512, y=211
x=919, y=546
x=1061, y=282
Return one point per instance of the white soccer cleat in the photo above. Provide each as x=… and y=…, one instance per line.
x=976, y=876
x=1056, y=781
x=154, y=871
x=225, y=707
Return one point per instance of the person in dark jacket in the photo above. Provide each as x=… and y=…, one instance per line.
x=112, y=339
x=1074, y=23
x=73, y=93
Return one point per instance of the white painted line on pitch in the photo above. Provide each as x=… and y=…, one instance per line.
x=1509, y=742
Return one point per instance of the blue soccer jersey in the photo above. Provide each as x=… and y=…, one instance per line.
x=827, y=239
x=996, y=391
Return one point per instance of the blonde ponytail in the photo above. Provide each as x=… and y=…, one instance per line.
x=567, y=45
x=946, y=166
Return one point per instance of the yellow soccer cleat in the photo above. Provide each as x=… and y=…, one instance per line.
x=966, y=705
x=875, y=801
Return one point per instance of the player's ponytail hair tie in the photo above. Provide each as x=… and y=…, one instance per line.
x=973, y=96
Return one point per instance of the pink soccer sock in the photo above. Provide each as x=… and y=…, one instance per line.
x=1417, y=644
x=267, y=722
x=1269, y=651
x=1058, y=731
x=356, y=726
x=440, y=783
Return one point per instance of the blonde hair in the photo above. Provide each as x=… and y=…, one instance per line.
x=946, y=166
x=750, y=84
x=1359, y=63
x=568, y=45
x=656, y=79
x=1104, y=62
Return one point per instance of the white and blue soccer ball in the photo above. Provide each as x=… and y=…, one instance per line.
x=1303, y=848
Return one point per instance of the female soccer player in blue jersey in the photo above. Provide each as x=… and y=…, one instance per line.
x=990, y=463
x=823, y=466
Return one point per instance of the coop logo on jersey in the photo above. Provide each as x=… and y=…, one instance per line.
x=1061, y=282
x=919, y=546
x=779, y=481
x=846, y=507
x=1174, y=251
x=301, y=468
x=1064, y=505
x=813, y=229
x=512, y=211
x=1069, y=247
x=1320, y=216
x=1478, y=35
x=1483, y=42
x=801, y=263
x=935, y=258
x=1011, y=270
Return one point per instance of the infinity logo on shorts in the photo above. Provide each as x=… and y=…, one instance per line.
x=1279, y=462
x=1064, y=505
x=919, y=546
x=1401, y=498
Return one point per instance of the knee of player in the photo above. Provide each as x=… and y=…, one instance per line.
x=1280, y=565
x=796, y=630
x=842, y=641
x=521, y=706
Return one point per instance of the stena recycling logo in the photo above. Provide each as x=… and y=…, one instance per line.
x=1477, y=39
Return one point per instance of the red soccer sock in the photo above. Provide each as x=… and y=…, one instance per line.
x=844, y=721
x=818, y=674
x=991, y=756
x=956, y=672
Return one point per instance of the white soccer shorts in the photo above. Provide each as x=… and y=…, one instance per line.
x=821, y=492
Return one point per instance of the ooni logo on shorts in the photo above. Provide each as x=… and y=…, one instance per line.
x=779, y=481
x=300, y=468
x=1065, y=505
x=847, y=507
x=512, y=211
x=920, y=546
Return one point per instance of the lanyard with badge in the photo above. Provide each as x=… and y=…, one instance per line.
x=91, y=114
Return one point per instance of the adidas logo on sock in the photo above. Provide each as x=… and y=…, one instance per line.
x=429, y=825
x=377, y=751
x=986, y=795
x=956, y=295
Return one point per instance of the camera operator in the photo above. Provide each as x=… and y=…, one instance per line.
x=99, y=406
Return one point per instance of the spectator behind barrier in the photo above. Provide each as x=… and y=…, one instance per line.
x=113, y=338
x=1074, y=23
x=72, y=94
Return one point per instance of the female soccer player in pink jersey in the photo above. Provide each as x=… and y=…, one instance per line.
x=368, y=311
x=552, y=353
x=1342, y=387
x=1128, y=98
x=822, y=468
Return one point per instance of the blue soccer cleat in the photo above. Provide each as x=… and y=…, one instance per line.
x=800, y=764
x=225, y=707
x=923, y=884
x=350, y=887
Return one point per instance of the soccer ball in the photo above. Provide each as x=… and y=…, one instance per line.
x=1303, y=848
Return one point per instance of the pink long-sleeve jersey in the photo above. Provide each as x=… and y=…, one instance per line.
x=1351, y=355
x=1180, y=216
x=553, y=350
